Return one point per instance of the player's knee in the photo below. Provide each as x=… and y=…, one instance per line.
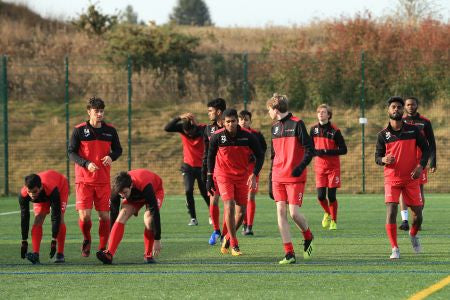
x=39, y=219
x=189, y=192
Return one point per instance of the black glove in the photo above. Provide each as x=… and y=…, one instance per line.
x=24, y=249
x=270, y=186
x=297, y=171
x=210, y=184
x=52, y=248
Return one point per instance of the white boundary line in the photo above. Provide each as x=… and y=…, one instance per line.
x=18, y=211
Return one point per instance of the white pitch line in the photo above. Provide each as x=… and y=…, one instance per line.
x=18, y=211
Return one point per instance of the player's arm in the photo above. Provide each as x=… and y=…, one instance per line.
x=212, y=153
x=255, y=146
x=116, y=148
x=55, y=204
x=74, y=146
x=306, y=142
x=262, y=142
x=24, y=204
x=174, y=125
x=272, y=155
x=428, y=129
x=205, y=155
x=114, y=207
x=423, y=145
x=340, y=142
x=380, y=150
x=150, y=198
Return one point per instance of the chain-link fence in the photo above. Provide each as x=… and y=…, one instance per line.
x=42, y=102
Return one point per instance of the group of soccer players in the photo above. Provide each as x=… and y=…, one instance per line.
x=225, y=157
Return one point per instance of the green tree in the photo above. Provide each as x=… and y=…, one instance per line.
x=191, y=12
x=157, y=48
x=129, y=15
x=415, y=10
x=94, y=22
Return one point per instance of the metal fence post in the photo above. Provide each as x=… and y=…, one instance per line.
x=363, y=123
x=245, y=81
x=66, y=101
x=4, y=89
x=130, y=93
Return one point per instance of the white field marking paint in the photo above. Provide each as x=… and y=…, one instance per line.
x=18, y=211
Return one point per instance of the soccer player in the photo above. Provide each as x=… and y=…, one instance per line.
x=93, y=147
x=413, y=117
x=228, y=161
x=328, y=144
x=291, y=153
x=46, y=190
x=136, y=188
x=193, y=146
x=245, y=121
x=216, y=107
x=396, y=150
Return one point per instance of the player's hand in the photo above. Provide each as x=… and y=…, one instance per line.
x=106, y=161
x=92, y=167
x=210, y=185
x=388, y=159
x=52, y=248
x=251, y=181
x=187, y=116
x=297, y=171
x=416, y=172
x=24, y=249
x=432, y=170
x=156, y=248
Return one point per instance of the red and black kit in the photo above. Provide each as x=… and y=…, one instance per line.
x=145, y=186
x=228, y=156
x=193, y=145
x=426, y=129
x=291, y=149
x=328, y=144
x=402, y=144
x=53, y=184
x=89, y=144
x=209, y=132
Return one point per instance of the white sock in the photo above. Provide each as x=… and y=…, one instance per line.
x=404, y=214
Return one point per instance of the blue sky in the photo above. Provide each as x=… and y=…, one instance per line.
x=231, y=13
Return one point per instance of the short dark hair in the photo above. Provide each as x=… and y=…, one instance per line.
x=95, y=103
x=244, y=113
x=218, y=103
x=413, y=98
x=395, y=99
x=121, y=180
x=32, y=181
x=230, y=112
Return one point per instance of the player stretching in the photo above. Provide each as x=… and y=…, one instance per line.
x=228, y=161
x=328, y=144
x=245, y=121
x=291, y=153
x=94, y=145
x=396, y=150
x=216, y=108
x=48, y=189
x=424, y=125
x=193, y=146
x=136, y=188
